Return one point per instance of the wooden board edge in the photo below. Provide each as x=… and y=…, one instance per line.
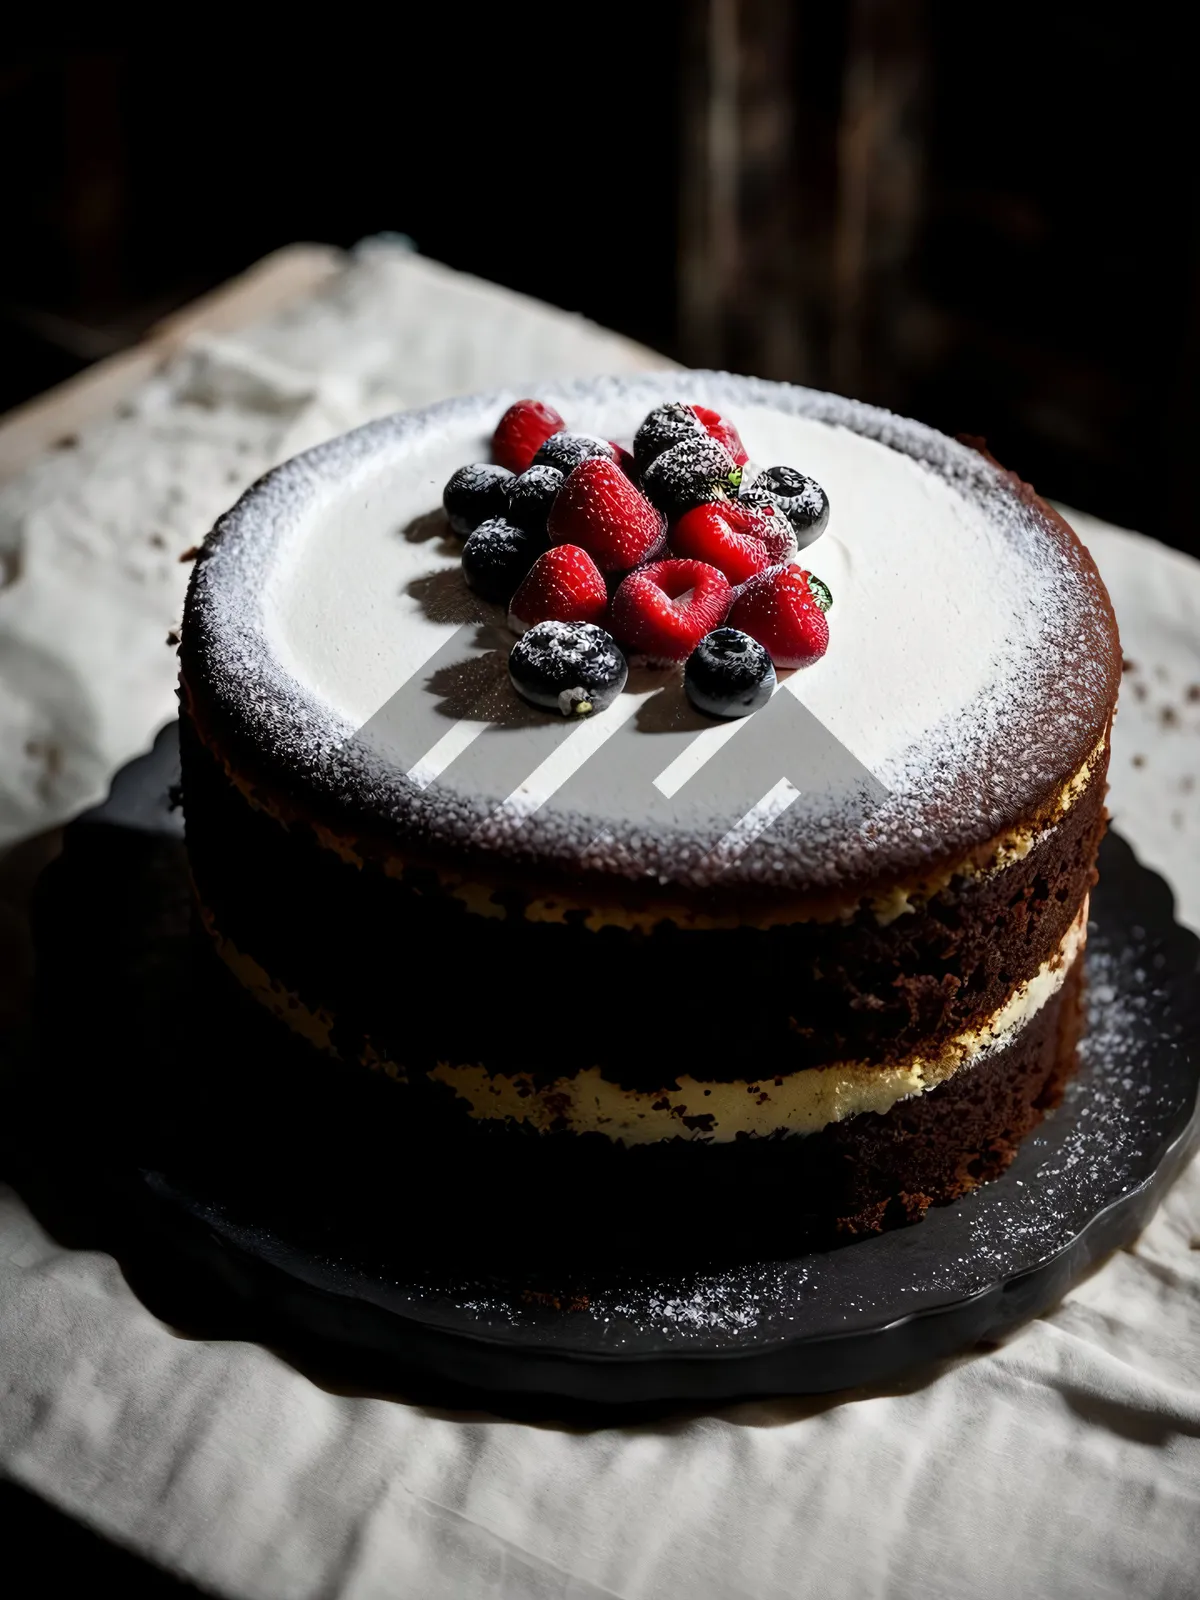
x=286, y=274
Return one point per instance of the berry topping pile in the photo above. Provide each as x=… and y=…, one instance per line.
x=677, y=551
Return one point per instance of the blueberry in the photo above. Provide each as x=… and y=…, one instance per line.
x=566, y=450
x=476, y=493
x=764, y=500
x=497, y=556
x=664, y=426
x=755, y=495
x=531, y=496
x=690, y=473
x=728, y=674
x=803, y=499
x=571, y=667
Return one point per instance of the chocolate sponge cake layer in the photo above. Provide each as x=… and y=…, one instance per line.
x=575, y=1199
x=412, y=976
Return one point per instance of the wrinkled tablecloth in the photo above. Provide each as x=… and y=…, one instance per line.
x=1065, y=1463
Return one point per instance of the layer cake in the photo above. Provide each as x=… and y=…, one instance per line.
x=830, y=951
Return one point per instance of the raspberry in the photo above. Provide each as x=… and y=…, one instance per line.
x=664, y=610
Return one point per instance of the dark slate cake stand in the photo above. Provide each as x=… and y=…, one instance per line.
x=250, y=1192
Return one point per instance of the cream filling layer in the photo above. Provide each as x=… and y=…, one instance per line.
x=800, y=1102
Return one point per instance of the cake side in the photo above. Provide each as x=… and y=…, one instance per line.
x=403, y=977
x=865, y=1172
x=599, y=937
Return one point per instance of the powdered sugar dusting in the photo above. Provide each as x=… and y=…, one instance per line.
x=971, y=669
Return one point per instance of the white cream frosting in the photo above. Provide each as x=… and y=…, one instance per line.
x=931, y=605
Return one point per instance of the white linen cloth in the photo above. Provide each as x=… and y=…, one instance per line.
x=1064, y=1464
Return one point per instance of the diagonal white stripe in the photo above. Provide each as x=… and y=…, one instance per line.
x=756, y=821
x=689, y=761
x=451, y=745
x=564, y=761
x=701, y=750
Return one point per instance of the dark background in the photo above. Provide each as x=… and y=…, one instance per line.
x=983, y=217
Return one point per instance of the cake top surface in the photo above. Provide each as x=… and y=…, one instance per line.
x=331, y=642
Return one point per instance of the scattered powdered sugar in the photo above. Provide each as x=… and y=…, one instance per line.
x=695, y=1305
x=569, y=641
x=971, y=670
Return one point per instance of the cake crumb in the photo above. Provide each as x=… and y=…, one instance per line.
x=557, y=1302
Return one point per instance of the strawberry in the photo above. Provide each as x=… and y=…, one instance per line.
x=779, y=609
x=723, y=432
x=563, y=585
x=739, y=539
x=522, y=431
x=664, y=610
x=599, y=509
